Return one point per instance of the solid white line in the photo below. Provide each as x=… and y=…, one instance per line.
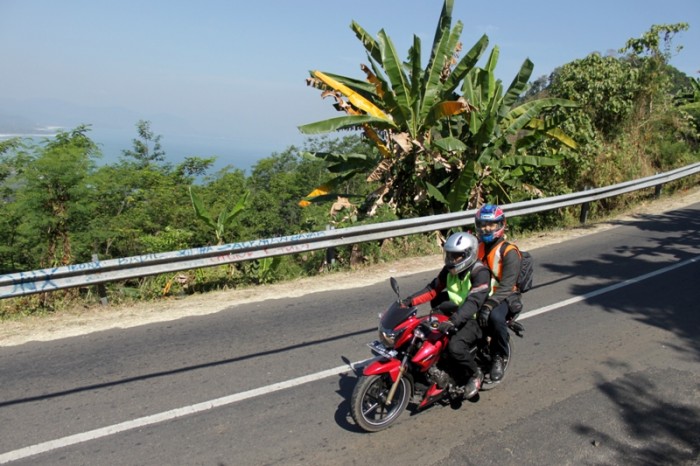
x=226, y=400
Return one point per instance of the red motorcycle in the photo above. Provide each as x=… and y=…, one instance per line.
x=410, y=366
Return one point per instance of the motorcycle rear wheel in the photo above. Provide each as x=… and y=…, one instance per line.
x=368, y=405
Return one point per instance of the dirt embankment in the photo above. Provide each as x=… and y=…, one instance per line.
x=82, y=321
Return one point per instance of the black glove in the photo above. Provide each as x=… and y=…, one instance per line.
x=515, y=305
x=447, y=327
x=483, y=317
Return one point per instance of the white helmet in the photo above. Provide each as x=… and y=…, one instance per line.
x=460, y=251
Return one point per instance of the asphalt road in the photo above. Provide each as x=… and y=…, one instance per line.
x=607, y=373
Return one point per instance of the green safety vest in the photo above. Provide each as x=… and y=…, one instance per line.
x=457, y=289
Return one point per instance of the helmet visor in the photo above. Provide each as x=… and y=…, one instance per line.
x=489, y=225
x=454, y=258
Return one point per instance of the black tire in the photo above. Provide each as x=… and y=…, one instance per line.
x=487, y=385
x=368, y=403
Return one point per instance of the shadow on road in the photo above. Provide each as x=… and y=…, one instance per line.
x=659, y=426
x=185, y=369
x=673, y=237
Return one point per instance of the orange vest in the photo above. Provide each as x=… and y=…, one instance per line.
x=494, y=261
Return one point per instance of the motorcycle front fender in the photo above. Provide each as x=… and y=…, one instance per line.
x=390, y=366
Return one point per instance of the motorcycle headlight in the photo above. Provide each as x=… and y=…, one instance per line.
x=388, y=337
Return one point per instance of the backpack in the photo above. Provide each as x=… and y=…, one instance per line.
x=524, y=280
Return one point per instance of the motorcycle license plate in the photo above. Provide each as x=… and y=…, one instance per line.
x=381, y=350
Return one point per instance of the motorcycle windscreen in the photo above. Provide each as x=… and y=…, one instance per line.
x=396, y=314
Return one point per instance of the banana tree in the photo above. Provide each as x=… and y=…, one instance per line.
x=492, y=142
x=397, y=107
x=225, y=218
x=437, y=149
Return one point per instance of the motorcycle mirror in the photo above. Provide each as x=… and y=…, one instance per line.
x=395, y=286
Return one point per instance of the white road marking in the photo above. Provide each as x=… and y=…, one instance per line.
x=607, y=289
x=226, y=400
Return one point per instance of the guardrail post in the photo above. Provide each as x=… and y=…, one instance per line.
x=101, y=290
x=657, y=190
x=329, y=260
x=584, y=209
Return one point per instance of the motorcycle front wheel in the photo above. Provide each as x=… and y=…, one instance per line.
x=368, y=405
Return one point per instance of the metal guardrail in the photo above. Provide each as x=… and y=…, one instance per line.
x=98, y=272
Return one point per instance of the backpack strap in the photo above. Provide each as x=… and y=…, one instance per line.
x=509, y=247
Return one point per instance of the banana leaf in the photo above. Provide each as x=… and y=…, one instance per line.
x=520, y=116
x=436, y=194
x=432, y=91
x=443, y=23
x=371, y=45
x=466, y=64
x=358, y=163
x=414, y=61
x=345, y=122
x=450, y=144
x=358, y=85
x=199, y=209
x=517, y=87
x=551, y=129
x=227, y=217
x=459, y=194
x=528, y=160
x=400, y=84
x=354, y=97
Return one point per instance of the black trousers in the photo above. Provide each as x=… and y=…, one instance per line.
x=461, y=362
x=498, y=330
x=461, y=359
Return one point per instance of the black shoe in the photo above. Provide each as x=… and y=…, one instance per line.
x=473, y=385
x=497, y=368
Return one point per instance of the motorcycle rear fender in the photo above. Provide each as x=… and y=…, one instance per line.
x=390, y=366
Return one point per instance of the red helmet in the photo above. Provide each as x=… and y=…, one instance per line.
x=488, y=215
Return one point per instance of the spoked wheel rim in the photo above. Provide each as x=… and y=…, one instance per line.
x=369, y=408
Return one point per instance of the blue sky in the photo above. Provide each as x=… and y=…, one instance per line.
x=227, y=78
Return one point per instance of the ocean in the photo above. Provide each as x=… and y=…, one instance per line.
x=177, y=147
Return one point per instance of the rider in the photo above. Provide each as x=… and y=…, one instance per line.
x=465, y=282
x=503, y=260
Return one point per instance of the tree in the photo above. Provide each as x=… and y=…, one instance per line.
x=141, y=197
x=689, y=102
x=55, y=195
x=605, y=87
x=650, y=55
x=415, y=118
x=490, y=147
x=626, y=122
x=147, y=148
x=223, y=221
